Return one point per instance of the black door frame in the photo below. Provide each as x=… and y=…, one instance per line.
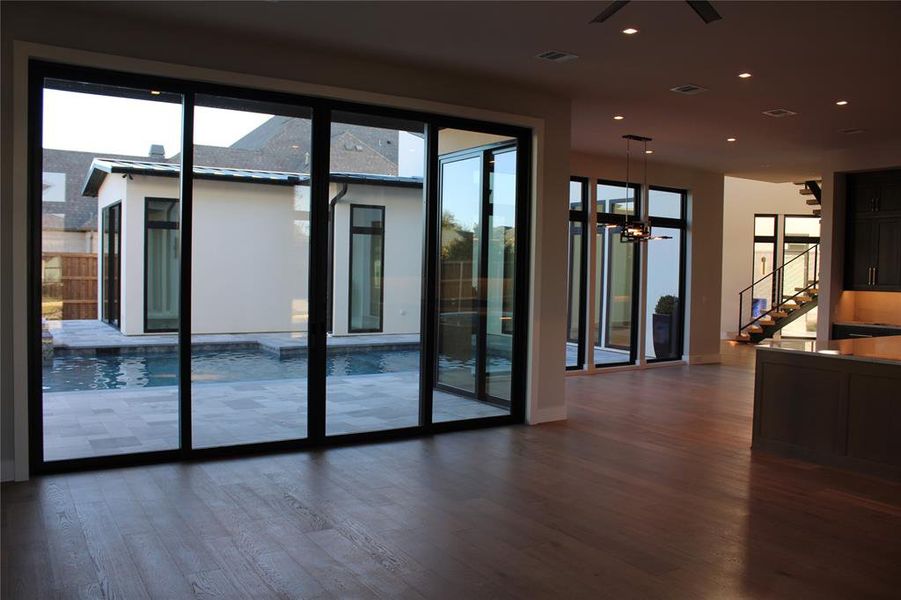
x=485, y=153
x=682, y=225
x=579, y=217
x=183, y=91
x=110, y=308
x=601, y=220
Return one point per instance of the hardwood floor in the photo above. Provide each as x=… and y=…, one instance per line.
x=649, y=490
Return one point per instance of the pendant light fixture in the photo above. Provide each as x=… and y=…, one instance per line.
x=635, y=230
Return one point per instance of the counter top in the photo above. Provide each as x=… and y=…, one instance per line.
x=865, y=324
x=878, y=349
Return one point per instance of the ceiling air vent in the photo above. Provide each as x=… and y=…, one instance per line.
x=851, y=131
x=689, y=89
x=556, y=56
x=779, y=113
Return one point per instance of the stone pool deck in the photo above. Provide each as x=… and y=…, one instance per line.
x=120, y=421
x=90, y=337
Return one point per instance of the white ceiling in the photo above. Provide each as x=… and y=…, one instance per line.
x=803, y=56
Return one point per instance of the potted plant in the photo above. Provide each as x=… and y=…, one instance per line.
x=665, y=326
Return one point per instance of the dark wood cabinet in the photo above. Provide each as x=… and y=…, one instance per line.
x=873, y=238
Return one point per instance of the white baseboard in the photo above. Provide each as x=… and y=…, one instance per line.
x=704, y=359
x=546, y=415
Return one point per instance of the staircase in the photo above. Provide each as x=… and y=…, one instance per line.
x=812, y=190
x=778, y=298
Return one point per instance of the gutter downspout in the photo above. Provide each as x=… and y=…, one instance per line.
x=331, y=254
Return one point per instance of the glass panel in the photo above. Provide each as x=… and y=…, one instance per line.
x=614, y=284
x=477, y=195
x=764, y=226
x=801, y=266
x=664, y=203
x=366, y=268
x=615, y=199
x=107, y=389
x=802, y=227
x=575, y=195
x=250, y=271
x=574, y=304
x=461, y=194
x=376, y=260
x=664, y=323
x=501, y=272
x=161, y=268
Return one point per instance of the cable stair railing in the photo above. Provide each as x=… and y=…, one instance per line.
x=779, y=297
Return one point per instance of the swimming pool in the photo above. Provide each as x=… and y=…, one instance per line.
x=72, y=372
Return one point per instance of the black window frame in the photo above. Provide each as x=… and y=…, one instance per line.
x=578, y=217
x=156, y=225
x=682, y=225
x=354, y=229
x=602, y=219
x=184, y=92
x=111, y=287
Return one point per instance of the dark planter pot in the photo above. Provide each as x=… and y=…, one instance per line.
x=664, y=330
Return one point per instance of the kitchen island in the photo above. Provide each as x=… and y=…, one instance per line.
x=836, y=403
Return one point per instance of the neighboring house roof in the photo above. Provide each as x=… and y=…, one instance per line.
x=101, y=167
x=280, y=144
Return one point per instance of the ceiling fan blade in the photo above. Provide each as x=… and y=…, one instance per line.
x=705, y=10
x=610, y=11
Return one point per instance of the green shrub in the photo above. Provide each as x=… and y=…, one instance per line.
x=666, y=305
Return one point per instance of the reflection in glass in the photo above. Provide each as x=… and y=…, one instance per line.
x=477, y=199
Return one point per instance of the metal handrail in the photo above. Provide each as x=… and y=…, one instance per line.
x=779, y=268
x=777, y=274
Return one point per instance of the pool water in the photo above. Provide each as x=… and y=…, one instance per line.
x=71, y=373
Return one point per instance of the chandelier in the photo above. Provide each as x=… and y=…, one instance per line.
x=635, y=230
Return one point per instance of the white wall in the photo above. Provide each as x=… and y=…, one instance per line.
x=403, y=255
x=742, y=199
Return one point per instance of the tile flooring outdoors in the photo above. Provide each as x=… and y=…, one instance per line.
x=99, y=422
x=103, y=422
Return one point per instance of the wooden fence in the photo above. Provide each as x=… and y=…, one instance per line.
x=69, y=285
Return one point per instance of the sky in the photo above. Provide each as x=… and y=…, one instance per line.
x=107, y=124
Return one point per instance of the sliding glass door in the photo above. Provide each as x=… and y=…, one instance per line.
x=300, y=270
x=478, y=245
x=250, y=274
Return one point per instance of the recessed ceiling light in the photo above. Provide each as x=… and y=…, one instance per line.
x=155, y=92
x=841, y=102
x=618, y=118
x=744, y=75
x=730, y=139
x=630, y=31
x=649, y=152
x=295, y=146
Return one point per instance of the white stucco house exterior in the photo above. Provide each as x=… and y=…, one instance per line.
x=250, y=252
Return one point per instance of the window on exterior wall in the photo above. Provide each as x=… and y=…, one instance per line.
x=367, y=249
x=616, y=276
x=800, y=255
x=576, y=287
x=665, y=275
x=161, y=249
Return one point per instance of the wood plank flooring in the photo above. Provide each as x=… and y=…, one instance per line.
x=649, y=490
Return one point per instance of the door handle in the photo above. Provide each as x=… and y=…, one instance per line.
x=875, y=274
